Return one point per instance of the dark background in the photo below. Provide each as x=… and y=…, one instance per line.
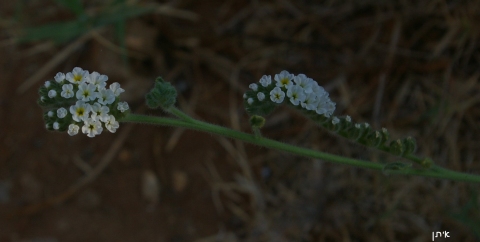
x=409, y=66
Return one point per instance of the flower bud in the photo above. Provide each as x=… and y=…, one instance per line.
x=385, y=134
x=362, y=130
x=397, y=147
x=426, y=163
x=410, y=145
x=255, y=106
x=257, y=121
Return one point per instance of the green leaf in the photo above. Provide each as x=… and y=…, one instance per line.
x=62, y=32
x=74, y=5
x=59, y=32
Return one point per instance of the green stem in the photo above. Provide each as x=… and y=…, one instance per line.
x=175, y=111
x=194, y=124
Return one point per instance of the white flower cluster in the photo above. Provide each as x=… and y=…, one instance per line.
x=81, y=99
x=301, y=91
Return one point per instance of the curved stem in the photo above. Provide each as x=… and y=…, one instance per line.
x=194, y=124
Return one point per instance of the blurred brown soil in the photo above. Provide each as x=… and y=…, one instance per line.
x=409, y=66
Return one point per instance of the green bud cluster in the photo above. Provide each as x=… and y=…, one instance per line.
x=254, y=106
x=58, y=101
x=54, y=123
x=363, y=133
x=163, y=95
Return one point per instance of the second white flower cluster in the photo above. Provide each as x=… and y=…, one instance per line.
x=80, y=99
x=300, y=90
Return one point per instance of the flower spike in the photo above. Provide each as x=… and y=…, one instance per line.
x=305, y=95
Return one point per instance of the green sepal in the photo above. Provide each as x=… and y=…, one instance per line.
x=410, y=145
x=372, y=139
x=426, y=163
x=361, y=131
x=43, y=91
x=397, y=147
x=322, y=120
x=257, y=107
x=257, y=121
x=48, y=119
x=385, y=134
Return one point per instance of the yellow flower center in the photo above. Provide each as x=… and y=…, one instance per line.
x=80, y=111
x=77, y=78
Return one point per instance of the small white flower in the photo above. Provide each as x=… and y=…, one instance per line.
x=253, y=86
x=100, y=111
x=335, y=120
x=330, y=108
x=261, y=96
x=250, y=101
x=61, y=112
x=92, y=127
x=296, y=94
x=47, y=84
x=277, y=95
x=318, y=90
x=325, y=106
x=86, y=92
x=60, y=77
x=80, y=111
x=116, y=89
x=266, y=80
x=105, y=96
x=111, y=124
x=96, y=79
x=73, y=129
x=67, y=91
x=244, y=95
x=321, y=107
x=122, y=106
x=50, y=113
x=52, y=93
x=56, y=125
x=284, y=79
x=357, y=126
x=304, y=82
x=76, y=76
x=310, y=101
x=348, y=119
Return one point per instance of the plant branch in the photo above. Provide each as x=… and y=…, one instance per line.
x=190, y=123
